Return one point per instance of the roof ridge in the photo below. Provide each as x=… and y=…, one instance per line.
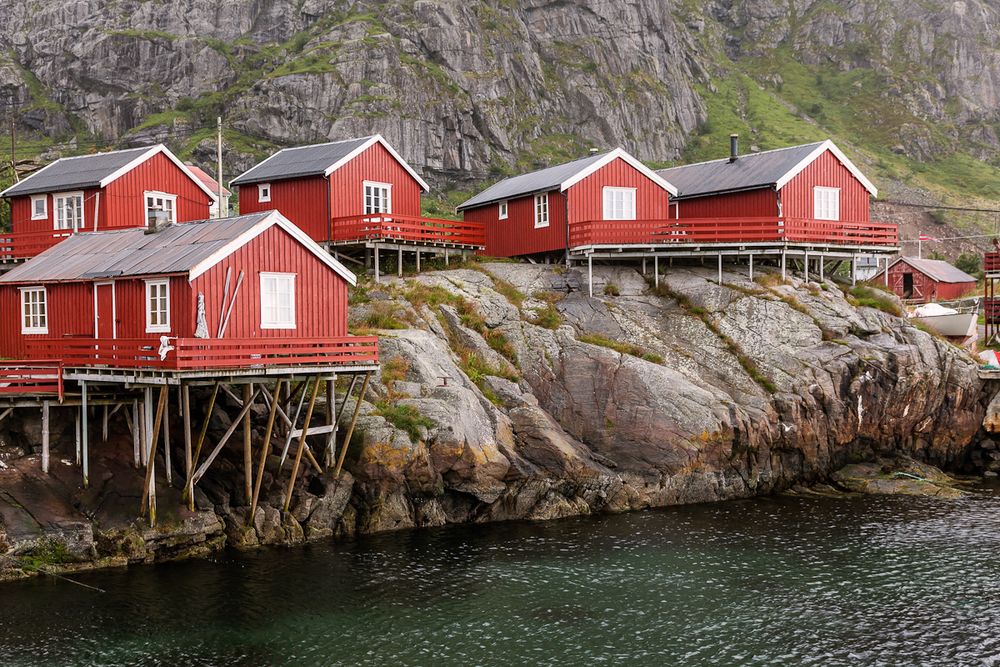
x=328, y=143
x=745, y=155
x=120, y=150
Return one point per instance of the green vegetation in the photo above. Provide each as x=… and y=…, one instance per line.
x=871, y=296
x=623, y=348
x=612, y=289
x=404, y=417
x=150, y=35
x=384, y=315
x=48, y=551
x=970, y=263
x=548, y=315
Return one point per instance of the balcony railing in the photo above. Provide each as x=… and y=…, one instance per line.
x=183, y=354
x=31, y=377
x=408, y=229
x=991, y=262
x=730, y=230
x=25, y=245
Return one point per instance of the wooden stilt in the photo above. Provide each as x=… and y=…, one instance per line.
x=166, y=442
x=203, y=468
x=751, y=267
x=399, y=262
x=247, y=447
x=85, y=434
x=302, y=443
x=643, y=265
x=186, y=409
x=377, y=279
x=135, y=425
x=291, y=427
x=288, y=436
x=331, y=405
x=350, y=429
x=720, y=268
x=189, y=489
x=418, y=261
x=446, y=257
x=104, y=424
x=79, y=453
x=656, y=270
x=854, y=270
x=590, y=276
x=782, y=264
x=265, y=447
x=807, y=267
x=45, y=437
x=149, y=489
x=821, y=269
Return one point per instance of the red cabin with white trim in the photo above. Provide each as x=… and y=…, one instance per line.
x=560, y=207
x=113, y=190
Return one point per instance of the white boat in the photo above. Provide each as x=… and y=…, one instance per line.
x=952, y=322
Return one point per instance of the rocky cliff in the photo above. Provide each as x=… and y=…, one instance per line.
x=505, y=392
x=474, y=90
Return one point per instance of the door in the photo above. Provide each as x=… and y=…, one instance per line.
x=907, y=285
x=104, y=310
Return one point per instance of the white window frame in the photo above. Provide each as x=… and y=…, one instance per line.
x=263, y=192
x=44, y=215
x=63, y=197
x=36, y=322
x=161, y=327
x=502, y=210
x=163, y=197
x=274, y=323
x=541, y=210
x=626, y=211
x=826, y=203
x=386, y=195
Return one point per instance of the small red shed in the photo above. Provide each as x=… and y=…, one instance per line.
x=98, y=192
x=538, y=212
x=254, y=276
x=315, y=186
x=920, y=280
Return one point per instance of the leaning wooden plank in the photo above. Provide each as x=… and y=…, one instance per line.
x=350, y=429
x=265, y=447
x=147, y=491
x=302, y=444
x=189, y=489
x=225, y=438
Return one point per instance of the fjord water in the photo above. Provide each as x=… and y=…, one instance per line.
x=789, y=581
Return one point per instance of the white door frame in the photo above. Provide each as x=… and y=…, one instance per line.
x=114, y=309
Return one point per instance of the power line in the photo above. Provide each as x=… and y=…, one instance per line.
x=939, y=206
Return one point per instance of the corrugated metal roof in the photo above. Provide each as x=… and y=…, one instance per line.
x=207, y=179
x=74, y=173
x=748, y=172
x=132, y=252
x=939, y=270
x=302, y=161
x=535, y=181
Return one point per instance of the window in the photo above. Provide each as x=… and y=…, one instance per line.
x=826, y=203
x=542, y=210
x=157, y=306
x=264, y=192
x=39, y=207
x=619, y=203
x=34, y=311
x=277, y=300
x=69, y=210
x=378, y=198
x=160, y=208
x=503, y=210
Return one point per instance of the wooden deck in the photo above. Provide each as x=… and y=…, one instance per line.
x=406, y=230
x=18, y=246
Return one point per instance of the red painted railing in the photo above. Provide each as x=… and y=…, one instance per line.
x=408, y=229
x=731, y=230
x=25, y=245
x=200, y=353
x=991, y=262
x=31, y=377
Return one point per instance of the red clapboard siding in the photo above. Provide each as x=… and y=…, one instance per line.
x=925, y=288
x=586, y=198
x=70, y=313
x=517, y=234
x=826, y=171
x=130, y=306
x=301, y=200
x=20, y=208
x=320, y=293
x=760, y=203
x=374, y=164
x=123, y=201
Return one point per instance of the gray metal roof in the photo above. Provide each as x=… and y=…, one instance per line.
x=302, y=161
x=542, y=180
x=941, y=271
x=133, y=252
x=748, y=172
x=74, y=173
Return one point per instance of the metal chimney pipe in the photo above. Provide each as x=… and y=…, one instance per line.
x=734, y=147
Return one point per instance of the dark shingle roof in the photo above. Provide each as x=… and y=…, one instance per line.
x=542, y=180
x=301, y=161
x=749, y=172
x=133, y=252
x=942, y=272
x=71, y=173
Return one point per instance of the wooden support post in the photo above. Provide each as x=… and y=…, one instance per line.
x=79, y=455
x=189, y=489
x=104, y=425
x=782, y=264
x=350, y=429
x=186, y=409
x=302, y=443
x=656, y=270
x=203, y=468
x=45, y=437
x=643, y=265
x=136, y=425
x=854, y=270
x=886, y=272
x=821, y=268
x=166, y=441
x=399, y=262
x=720, y=268
x=265, y=447
x=149, y=488
x=147, y=423
x=295, y=420
x=418, y=261
x=376, y=263
x=85, y=435
x=247, y=447
x=807, y=267
x=751, y=267
x=446, y=257
x=590, y=279
x=331, y=405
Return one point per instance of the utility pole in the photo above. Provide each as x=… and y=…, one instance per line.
x=218, y=145
x=13, y=145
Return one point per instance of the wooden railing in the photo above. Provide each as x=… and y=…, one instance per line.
x=730, y=230
x=408, y=229
x=25, y=245
x=203, y=354
x=991, y=262
x=31, y=377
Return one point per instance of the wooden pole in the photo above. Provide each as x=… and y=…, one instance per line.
x=295, y=420
x=302, y=443
x=656, y=270
x=350, y=429
x=376, y=263
x=135, y=425
x=189, y=489
x=45, y=437
x=104, y=425
x=265, y=447
x=186, y=409
x=203, y=468
x=166, y=441
x=79, y=455
x=148, y=492
x=288, y=422
x=751, y=267
x=247, y=447
x=331, y=404
x=84, y=434
x=590, y=280
x=399, y=262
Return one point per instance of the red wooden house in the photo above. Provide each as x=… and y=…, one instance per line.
x=241, y=291
x=355, y=191
x=98, y=192
x=554, y=209
x=920, y=280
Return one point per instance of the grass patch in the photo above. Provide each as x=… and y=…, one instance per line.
x=623, y=348
x=547, y=316
x=612, y=289
x=405, y=418
x=420, y=294
x=47, y=552
x=870, y=296
x=394, y=369
x=509, y=292
x=384, y=316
